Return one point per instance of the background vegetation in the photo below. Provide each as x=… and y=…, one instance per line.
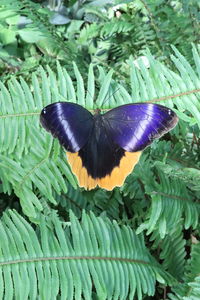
x=140, y=241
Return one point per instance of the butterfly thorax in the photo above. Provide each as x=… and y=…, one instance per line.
x=99, y=126
x=100, y=129
x=97, y=111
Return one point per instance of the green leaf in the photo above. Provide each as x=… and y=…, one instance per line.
x=7, y=36
x=31, y=35
x=79, y=257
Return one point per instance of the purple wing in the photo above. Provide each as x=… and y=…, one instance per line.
x=134, y=126
x=69, y=122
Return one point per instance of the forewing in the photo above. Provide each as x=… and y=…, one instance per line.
x=69, y=122
x=134, y=126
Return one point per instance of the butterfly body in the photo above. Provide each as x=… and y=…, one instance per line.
x=102, y=149
x=100, y=154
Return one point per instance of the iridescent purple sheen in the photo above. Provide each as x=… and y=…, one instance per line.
x=101, y=140
x=134, y=126
x=69, y=122
x=131, y=127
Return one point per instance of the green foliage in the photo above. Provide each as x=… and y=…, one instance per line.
x=140, y=241
x=25, y=25
x=190, y=289
x=75, y=257
x=98, y=31
x=140, y=25
x=154, y=200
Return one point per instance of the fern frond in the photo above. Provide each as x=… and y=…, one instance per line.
x=190, y=289
x=114, y=27
x=21, y=137
x=171, y=250
x=170, y=202
x=89, y=31
x=77, y=258
x=74, y=200
x=159, y=81
x=39, y=169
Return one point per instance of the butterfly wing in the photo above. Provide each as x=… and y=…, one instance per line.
x=101, y=162
x=103, y=149
x=134, y=126
x=69, y=122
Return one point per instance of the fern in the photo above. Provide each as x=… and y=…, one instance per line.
x=35, y=30
x=154, y=200
x=73, y=257
x=20, y=126
x=115, y=27
x=141, y=25
x=171, y=250
x=140, y=241
x=190, y=289
x=170, y=201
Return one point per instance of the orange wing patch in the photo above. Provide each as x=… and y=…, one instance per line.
x=116, y=178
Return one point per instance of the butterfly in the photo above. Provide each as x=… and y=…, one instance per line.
x=102, y=149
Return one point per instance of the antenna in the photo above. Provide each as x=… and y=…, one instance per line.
x=106, y=99
x=111, y=95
